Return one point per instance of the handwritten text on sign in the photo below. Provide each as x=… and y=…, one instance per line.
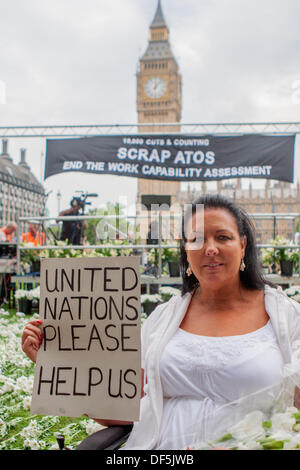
x=89, y=362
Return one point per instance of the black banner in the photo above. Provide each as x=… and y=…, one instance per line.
x=175, y=157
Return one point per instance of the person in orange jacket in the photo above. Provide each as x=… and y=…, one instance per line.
x=33, y=235
x=7, y=233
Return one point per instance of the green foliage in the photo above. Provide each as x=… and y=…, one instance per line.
x=274, y=255
x=167, y=254
x=107, y=229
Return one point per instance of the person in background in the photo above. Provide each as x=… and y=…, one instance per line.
x=7, y=233
x=73, y=230
x=153, y=234
x=152, y=239
x=33, y=235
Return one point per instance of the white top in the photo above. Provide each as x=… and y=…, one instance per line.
x=201, y=373
x=163, y=324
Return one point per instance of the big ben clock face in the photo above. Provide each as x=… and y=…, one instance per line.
x=155, y=87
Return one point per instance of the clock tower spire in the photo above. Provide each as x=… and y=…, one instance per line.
x=159, y=28
x=158, y=98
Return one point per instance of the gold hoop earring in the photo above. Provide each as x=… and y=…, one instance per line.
x=242, y=265
x=189, y=271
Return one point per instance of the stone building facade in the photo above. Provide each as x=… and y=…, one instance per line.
x=21, y=194
x=276, y=197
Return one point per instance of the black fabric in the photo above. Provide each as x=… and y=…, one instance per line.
x=110, y=438
x=71, y=231
x=175, y=157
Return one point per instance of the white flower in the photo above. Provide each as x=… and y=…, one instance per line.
x=292, y=290
x=20, y=294
x=4, y=312
x=249, y=445
x=249, y=427
x=292, y=409
x=293, y=442
x=154, y=298
x=26, y=267
x=26, y=403
x=283, y=422
x=165, y=290
x=281, y=435
x=28, y=294
x=24, y=384
x=31, y=430
x=20, y=314
x=32, y=444
x=9, y=386
x=26, y=442
x=92, y=426
x=54, y=447
x=42, y=444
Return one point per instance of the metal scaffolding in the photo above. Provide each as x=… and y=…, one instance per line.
x=271, y=128
x=174, y=244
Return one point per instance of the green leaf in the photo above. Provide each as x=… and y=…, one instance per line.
x=224, y=438
x=267, y=424
x=271, y=444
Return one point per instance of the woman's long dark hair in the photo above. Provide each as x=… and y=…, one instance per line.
x=251, y=277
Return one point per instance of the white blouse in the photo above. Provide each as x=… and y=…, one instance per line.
x=201, y=374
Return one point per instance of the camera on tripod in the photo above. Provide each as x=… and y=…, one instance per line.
x=81, y=200
x=77, y=202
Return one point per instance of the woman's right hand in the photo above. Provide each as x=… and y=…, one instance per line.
x=32, y=338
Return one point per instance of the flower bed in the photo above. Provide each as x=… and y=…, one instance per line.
x=18, y=428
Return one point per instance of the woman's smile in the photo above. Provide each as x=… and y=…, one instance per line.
x=213, y=266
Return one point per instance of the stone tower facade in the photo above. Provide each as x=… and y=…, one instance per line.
x=158, y=99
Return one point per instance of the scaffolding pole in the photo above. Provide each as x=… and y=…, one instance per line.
x=91, y=130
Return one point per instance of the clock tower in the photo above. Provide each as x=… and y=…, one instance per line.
x=158, y=101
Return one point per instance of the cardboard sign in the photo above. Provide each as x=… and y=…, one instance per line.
x=89, y=361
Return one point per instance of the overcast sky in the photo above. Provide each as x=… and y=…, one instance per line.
x=74, y=62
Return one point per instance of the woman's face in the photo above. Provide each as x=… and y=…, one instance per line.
x=218, y=261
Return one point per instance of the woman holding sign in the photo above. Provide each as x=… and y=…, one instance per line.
x=222, y=348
